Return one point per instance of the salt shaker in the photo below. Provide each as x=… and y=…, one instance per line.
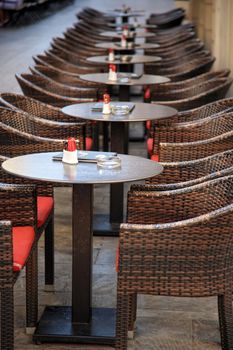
x=106, y=106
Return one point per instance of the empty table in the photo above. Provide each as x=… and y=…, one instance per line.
x=124, y=86
x=80, y=322
x=119, y=144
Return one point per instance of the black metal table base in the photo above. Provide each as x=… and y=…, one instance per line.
x=55, y=326
x=103, y=227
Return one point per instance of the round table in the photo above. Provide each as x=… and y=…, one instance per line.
x=80, y=322
x=131, y=59
x=119, y=143
x=123, y=15
x=119, y=124
x=132, y=26
x=118, y=47
x=124, y=87
x=132, y=34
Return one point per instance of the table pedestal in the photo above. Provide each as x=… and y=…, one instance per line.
x=104, y=225
x=79, y=323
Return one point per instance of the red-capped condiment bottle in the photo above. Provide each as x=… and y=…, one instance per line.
x=112, y=75
x=123, y=41
x=106, y=105
x=111, y=55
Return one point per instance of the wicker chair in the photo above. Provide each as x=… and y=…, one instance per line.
x=178, y=50
x=167, y=19
x=177, y=243
x=188, y=173
x=166, y=41
x=41, y=127
x=18, y=204
x=183, y=71
x=73, y=58
x=185, y=151
x=197, y=114
x=59, y=63
x=167, y=63
x=50, y=92
x=195, y=96
x=78, y=37
x=187, y=83
x=76, y=48
x=65, y=78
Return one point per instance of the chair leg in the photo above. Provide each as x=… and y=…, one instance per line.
x=226, y=320
x=132, y=315
x=122, y=321
x=7, y=319
x=49, y=255
x=32, y=292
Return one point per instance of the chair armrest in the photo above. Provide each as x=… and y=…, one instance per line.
x=18, y=204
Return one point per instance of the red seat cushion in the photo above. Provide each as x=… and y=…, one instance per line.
x=155, y=157
x=23, y=238
x=150, y=145
x=89, y=142
x=44, y=207
x=148, y=124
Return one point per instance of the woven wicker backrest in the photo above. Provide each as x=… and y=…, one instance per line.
x=55, y=61
x=182, y=174
x=176, y=152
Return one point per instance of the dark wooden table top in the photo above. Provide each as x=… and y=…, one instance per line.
x=140, y=112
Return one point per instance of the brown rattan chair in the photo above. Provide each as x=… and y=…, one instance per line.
x=17, y=204
x=177, y=175
x=65, y=78
x=197, y=114
x=41, y=127
x=177, y=243
x=48, y=91
x=187, y=83
x=194, y=96
x=167, y=19
x=183, y=71
x=74, y=58
x=59, y=63
x=185, y=151
x=36, y=108
x=177, y=50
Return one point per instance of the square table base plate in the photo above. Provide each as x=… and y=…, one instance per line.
x=55, y=327
x=103, y=227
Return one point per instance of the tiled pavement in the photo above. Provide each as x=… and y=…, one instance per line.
x=162, y=323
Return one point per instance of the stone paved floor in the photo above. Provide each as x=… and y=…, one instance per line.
x=162, y=323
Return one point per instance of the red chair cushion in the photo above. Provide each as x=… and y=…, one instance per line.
x=155, y=157
x=44, y=207
x=148, y=124
x=89, y=142
x=23, y=238
x=150, y=145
